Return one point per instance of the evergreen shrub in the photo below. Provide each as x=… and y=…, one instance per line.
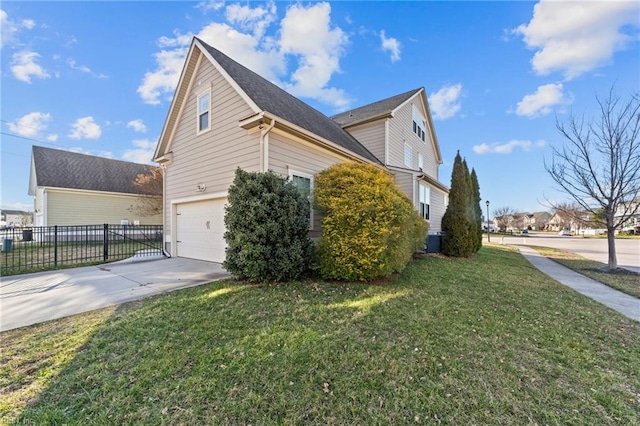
x=369, y=228
x=267, y=221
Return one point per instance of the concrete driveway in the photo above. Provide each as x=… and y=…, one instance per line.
x=33, y=298
x=627, y=250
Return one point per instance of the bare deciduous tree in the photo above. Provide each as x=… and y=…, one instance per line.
x=150, y=201
x=599, y=163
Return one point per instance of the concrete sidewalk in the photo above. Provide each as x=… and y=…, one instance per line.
x=33, y=298
x=614, y=299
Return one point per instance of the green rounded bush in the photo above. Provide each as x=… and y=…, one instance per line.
x=369, y=229
x=267, y=221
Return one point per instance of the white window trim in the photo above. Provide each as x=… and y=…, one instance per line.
x=420, y=161
x=421, y=123
x=408, y=150
x=293, y=173
x=198, y=131
x=427, y=191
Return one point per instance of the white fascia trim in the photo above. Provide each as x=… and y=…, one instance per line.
x=173, y=103
x=90, y=191
x=319, y=140
x=227, y=77
x=202, y=197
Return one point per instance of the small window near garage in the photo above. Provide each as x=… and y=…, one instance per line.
x=425, y=195
x=304, y=183
x=204, y=107
x=408, y=155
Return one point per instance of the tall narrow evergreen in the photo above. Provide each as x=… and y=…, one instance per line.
x=477, y=209
x=457, y=240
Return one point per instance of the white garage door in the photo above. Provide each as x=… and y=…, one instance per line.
x=200, y=230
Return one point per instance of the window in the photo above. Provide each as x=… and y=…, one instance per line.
x=419, y=125
x=420, y=162
x=304, y=183
x=204, y=105
x=408, y=155
x=425, y=195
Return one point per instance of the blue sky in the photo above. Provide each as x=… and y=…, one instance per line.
x=97, y=77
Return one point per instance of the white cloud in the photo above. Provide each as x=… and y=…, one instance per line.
x=306, y=36
x=507, y=148
x=574, y=37
x=256, y=20
x=392, y=45
x=543, y=100
x=210, y=5
x=137, y=125
x=85, y=128
x=445, y=103
x=307, y=33
x=17, y=206
x=23, y=66
x=28, y=23
x=32, y=125
x=142, y=153
x=83, y=68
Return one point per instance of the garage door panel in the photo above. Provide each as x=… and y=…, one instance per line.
x=200, y=230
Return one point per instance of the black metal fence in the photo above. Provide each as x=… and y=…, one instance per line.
x=49, y=247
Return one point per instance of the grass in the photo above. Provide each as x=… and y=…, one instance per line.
x=626, y=281
x=28, y=257
x=488, y=340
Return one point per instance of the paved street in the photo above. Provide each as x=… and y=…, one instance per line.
x=627, y=250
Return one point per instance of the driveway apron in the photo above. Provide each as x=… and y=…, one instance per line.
x=34, y=298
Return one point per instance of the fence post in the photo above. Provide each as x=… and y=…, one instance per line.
x=55, y=246
x=105, y=243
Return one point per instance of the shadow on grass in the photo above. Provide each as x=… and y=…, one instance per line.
x=483, y=340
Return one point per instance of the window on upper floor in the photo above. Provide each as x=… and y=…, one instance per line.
x=204, y=107
x=304, y=183
x=408, y=155
x=425, y=197
x=420, y=162
x=419, y=125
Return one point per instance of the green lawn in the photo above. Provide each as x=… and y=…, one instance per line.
x=625, y=281
x=488, y=340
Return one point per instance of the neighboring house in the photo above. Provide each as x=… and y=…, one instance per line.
x=633, y=221
x=224, y=116
x=78, y=189
x=13, y=218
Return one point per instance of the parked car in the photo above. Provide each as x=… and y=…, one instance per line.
x=565, y=232
x=525, y=231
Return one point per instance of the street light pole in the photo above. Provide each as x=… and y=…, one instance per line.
x=488, y=229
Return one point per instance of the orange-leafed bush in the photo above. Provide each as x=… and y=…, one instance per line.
x=370, y=229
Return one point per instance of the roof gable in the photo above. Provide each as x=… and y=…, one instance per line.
x=376, y=110
x=64, y=169
x=262, y=96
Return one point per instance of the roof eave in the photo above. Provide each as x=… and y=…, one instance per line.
x=367, y=120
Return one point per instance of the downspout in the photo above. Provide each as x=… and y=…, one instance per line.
x=164, y=204
x=264, y=143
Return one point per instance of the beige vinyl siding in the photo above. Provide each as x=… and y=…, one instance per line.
x=401, y=132
x=436, y=210
x=92, y=208
x=210, y=157
x=407, y=184
x=372, y=136
x=286, y=154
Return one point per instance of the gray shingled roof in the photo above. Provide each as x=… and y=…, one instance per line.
x=376, y=109
x=64, y=169
x=269, y=97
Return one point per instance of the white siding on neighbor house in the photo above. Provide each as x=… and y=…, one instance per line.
x=92, y=208
x=39, y=204
x=401, y=132
x=286, y=154
x=372, y=136
x=210, y=157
